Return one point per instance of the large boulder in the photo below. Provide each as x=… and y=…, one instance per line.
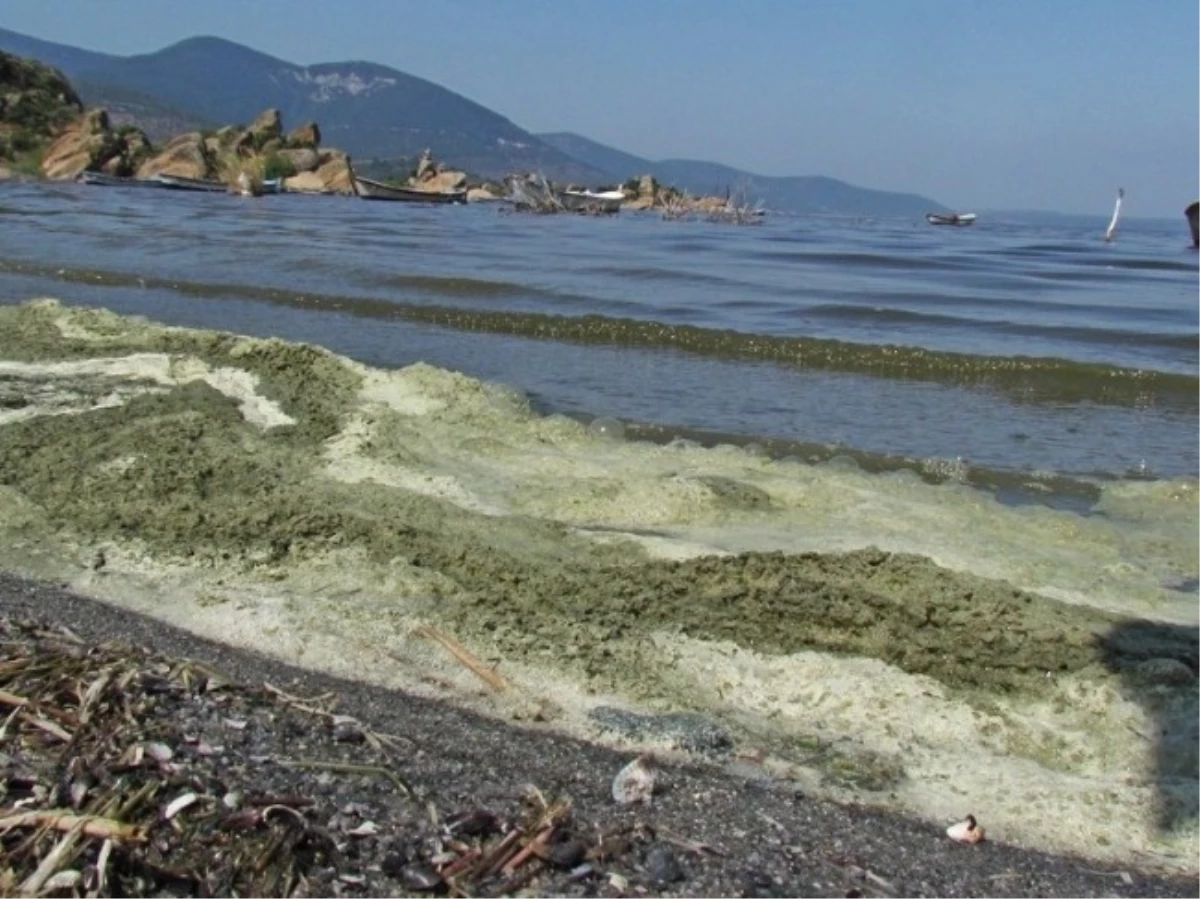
x=185, y=156
x=306, y=135
x=303, y=159
x=87, y=144
x=334, y=175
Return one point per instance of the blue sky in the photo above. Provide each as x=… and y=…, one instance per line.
x=978, y=104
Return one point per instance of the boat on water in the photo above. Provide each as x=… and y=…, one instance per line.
x=102, y=180
x=602, y=202
x=950, y=218
x=1193, y=219
x=178, y=182
x=377, y=190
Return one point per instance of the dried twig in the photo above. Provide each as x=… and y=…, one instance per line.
x=456, y=649
x=59, y=819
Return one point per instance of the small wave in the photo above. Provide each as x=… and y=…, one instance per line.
x=1029, y=378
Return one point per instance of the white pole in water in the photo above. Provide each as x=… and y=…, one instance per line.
x=1112, y=226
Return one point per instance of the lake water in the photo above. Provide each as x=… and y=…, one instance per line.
x=1033, y=360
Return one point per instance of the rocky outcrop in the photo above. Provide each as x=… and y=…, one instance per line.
x=430, y=175
x=185, y=156
x=264, y=135
x=90, y=144
x=36, y=104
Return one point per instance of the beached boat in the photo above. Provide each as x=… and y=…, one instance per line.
x=1193, y=220
x=102, y=180
x=178, y=182
x=377, y=190
x=950, y=218
x=605, y=202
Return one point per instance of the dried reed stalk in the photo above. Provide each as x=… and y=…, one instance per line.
x=460, y=652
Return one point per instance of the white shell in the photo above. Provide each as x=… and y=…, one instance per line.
x=635, y=782
x=965, y=832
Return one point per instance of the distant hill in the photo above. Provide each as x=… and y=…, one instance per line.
x=378, y=113
x=369, y=110
x=808, y=194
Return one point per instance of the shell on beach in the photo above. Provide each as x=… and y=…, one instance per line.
x=966, y=831
x=635, y=782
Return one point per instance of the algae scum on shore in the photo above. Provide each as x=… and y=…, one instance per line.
x=249, y=480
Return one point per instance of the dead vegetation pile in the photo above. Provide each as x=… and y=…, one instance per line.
x=125, y=773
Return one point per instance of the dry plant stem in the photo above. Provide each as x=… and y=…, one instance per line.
x=56, y=858
x=531, y=848
x=350, y=768
x=91, y=825
x=12, y=699
x=690, y=845
x=456, y=649
x=499, y=855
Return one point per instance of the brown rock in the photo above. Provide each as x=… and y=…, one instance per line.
x=337, y=173
x=185, y=156
x=334, y=175
x=307, y=135
x=263, y=130
x=444, y=181
x=87, y=143
x=269, y=124
x=303, y=159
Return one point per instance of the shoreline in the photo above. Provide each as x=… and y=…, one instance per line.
x=866, y=639
x=774, y=841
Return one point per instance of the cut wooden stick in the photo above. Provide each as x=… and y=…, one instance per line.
x=456, y=649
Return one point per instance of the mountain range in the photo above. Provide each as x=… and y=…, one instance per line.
x=379, y=113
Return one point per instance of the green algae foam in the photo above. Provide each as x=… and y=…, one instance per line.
x=859, y=635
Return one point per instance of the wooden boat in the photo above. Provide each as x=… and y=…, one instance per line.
x=178, y=182
x=377, y=190
x=950, y=218
x=605, y=202
x=103, y=180
x=1193, y=220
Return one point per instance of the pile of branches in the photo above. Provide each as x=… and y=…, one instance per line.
x=126, y=773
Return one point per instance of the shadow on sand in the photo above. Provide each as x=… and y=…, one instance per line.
x=1157, y=664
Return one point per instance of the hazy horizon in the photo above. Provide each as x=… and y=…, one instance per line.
x=1015, y=106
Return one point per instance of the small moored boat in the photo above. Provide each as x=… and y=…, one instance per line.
x=377, y=190
x=604, y=202
x=1193, y=220
x=102, y=180
x=178, y=182
x=950, y=218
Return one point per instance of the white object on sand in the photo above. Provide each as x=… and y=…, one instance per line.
x=635, y=782
x=967, y=831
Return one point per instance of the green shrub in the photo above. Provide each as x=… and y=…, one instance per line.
x=276, y=166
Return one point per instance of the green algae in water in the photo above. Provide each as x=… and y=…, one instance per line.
x=311, y=384
x=183, y=472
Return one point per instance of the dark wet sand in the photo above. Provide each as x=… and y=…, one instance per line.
x=773, y=842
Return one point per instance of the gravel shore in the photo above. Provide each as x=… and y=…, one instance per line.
x=706, y=832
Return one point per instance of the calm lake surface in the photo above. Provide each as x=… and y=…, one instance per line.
x=1033, y=360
